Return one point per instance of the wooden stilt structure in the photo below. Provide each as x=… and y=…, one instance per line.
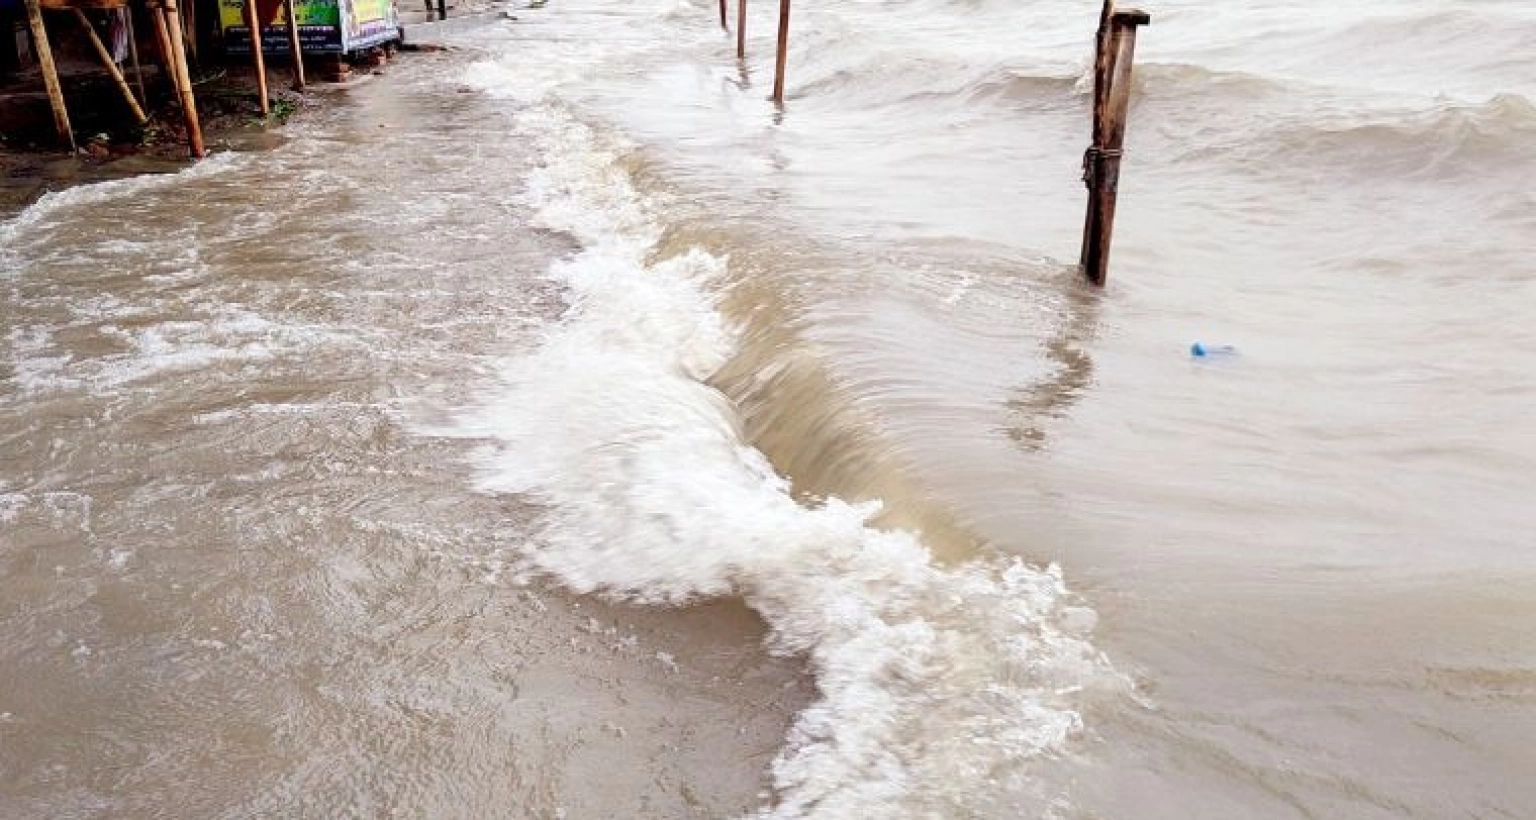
x=50, y=74
x=107, y=62
x=168, y=25
x=293, y=44
x=253, y=22
x=1101, y=163
x=783, y=52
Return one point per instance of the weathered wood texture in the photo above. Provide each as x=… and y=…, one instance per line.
x=50, y=74
x=783, y=51
x=1101, y=164
x=741, y=29
x=168, y=21
x=259, y=60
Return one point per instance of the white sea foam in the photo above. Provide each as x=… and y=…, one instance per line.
x=938, y=685
x=57, y=205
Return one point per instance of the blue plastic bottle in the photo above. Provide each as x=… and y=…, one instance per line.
x=1202, y=350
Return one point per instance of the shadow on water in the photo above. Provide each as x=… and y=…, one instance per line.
x=1032, y=407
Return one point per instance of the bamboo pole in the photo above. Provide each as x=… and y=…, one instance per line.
x=133, y=54
x=741, y=29
x=50, y=74
x=163, y=41
x=723, y=25
x=1101, y=164
x=778, y=71
x=189, y=26
x=293, y=44
x=170, y=20
x=112, y=69
x=254, y=24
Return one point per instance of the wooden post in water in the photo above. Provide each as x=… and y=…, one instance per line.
x=723, y=24
x=741, y=29
x=778, y=71
x=168, y=24
x=1101, y=163
x=106, y=60
x=293, y=44
x=253, y=19
x=50, y=74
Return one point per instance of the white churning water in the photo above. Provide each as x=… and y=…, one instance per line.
x=424, y=464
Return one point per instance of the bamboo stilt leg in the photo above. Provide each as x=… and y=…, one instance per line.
x=189, y=29
x=163, y=41
x=112, y=69
x=741, y=29
x=133, y=55
x=257, y=57
x=50, y=74
x=293, y=44
x=783, y=53
x=171, y=21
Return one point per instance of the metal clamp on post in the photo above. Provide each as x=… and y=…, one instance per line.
x=1091, y=159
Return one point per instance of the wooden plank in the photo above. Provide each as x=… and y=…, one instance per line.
x=66, y=5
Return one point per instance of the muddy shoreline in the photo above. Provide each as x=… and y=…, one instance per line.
x=228, y=110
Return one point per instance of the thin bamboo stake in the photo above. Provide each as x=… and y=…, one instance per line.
x=170, y=20
x=189, y=25
x=133, y=54
x=1101, y=164
x=112, y=69
x=778, y=73
x=293, y=44
x=741, y=29
x=254, y=23
x=163, y=41
x=50, y=74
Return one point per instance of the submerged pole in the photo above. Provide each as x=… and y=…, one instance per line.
x=112, y=69
x=293, y=44
x=741, y=29
x=778, y=71
x=253, y=19
x=50, y=74
x=1101, y=163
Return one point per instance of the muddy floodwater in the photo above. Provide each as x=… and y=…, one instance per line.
x=554, y=427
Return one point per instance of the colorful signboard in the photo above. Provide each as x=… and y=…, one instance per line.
x=325, y=26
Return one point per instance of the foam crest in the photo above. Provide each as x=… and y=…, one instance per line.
x=57, y=205
x=938, y=684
